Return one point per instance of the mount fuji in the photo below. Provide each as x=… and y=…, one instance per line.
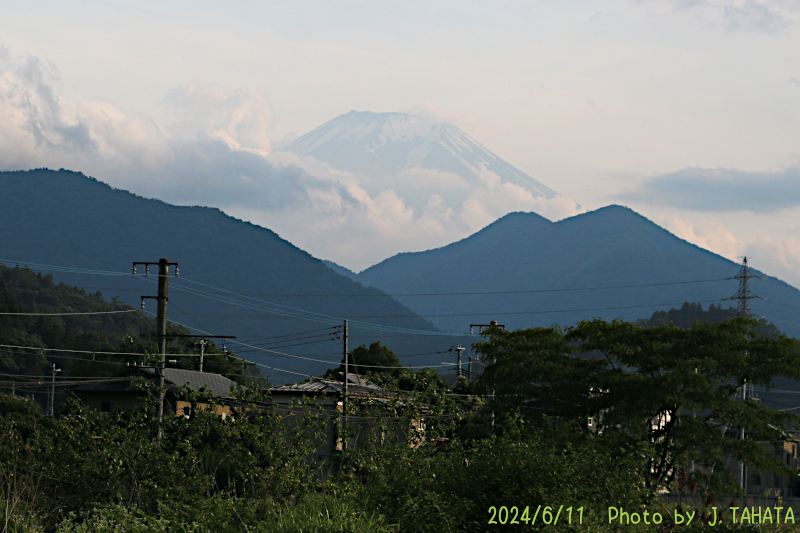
x=413, y=155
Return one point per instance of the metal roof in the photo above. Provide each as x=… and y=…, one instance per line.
x=214, y=383
x=356, y=385
x=218, y=385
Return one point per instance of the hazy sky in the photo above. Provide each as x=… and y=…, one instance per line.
x=686, y=110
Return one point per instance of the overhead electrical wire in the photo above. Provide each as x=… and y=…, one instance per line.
x=503, y=313
x=479, y=293
x=139, y=354
x=296, y=344
x=319, y=338
x=295, y=356
x=384, y=328
x=307, y=315
x=463, y=293
x=56, y=268
x=323, y=318
x=381, y=327
x=287, y=335
x=71, y=314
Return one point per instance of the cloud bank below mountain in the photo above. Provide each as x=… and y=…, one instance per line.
x=216, y=150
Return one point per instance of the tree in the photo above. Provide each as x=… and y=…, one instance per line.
x=671, y=389
x=689, y=313
x=363, y=360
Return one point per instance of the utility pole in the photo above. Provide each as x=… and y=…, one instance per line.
x=161, y=324
x=344, y=398
x=202, y=343
x=469, y=369
x=52, y=400
x=459, y=349
x=491, y=324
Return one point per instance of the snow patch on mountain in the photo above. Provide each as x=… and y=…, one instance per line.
x=379, y=145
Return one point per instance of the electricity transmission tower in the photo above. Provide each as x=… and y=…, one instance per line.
x=743, y=295
x=742, y=298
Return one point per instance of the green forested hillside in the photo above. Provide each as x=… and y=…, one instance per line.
x=23, y=291
x=35, y=312
x=690, y=313
x=236, y=278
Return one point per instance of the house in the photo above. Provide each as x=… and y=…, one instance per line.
x=126, y=394
x=370, y=406
x=774, y=484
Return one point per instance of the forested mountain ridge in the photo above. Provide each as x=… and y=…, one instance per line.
x=691, y=313
x=525, y=271
x=74, y=329
x=37, y=293
x=65, y=218
x=22, y=291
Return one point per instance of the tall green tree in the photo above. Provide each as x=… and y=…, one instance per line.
x=364, y=360
x=672, y=390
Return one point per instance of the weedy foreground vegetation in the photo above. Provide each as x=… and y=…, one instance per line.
x=90, y=471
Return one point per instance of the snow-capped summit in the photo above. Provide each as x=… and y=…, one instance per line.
x=385, y=145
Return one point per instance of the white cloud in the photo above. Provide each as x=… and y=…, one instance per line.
x=712, y=236
x=216, y=152
x=771, y=244
x=241, y=118
x=761, y=15
x=721, y=189
x=783, y=253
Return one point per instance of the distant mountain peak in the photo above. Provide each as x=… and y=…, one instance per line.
x=379, y=145
x=522, y=217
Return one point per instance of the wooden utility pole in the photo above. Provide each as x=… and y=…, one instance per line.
x=344, y=398
x=491, y=324
x=459, y=349
x=161, y=333
x=52, y=399
x=202, y=343
x=161, y=324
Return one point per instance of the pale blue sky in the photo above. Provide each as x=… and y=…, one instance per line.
x=598, y=100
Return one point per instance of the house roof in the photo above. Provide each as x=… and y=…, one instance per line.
x=214, y=383
x=356, y=385
x=111, y=385
x=218, y=385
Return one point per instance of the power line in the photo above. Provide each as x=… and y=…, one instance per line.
x=382, y=293
x=308, y=315
x=498, y=313
x=94, y=352
x=297, y=344
x=292, y=355
x=55, y=268
x=288, y=335
x=71, y=314
x=319, y=317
